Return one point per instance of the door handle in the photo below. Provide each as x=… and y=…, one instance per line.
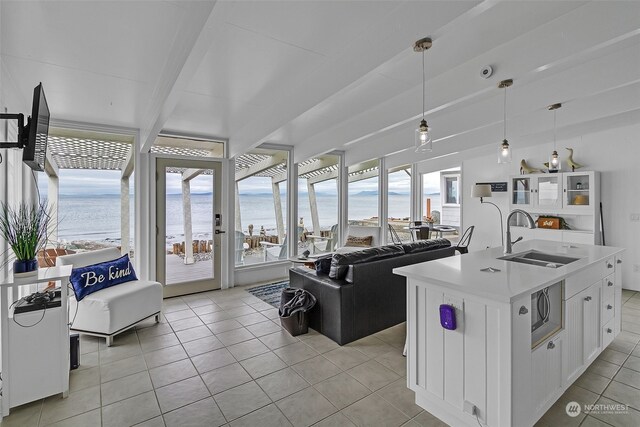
x=609, y=330
x=220, y=232
x=523, y=311
x=587, y=299
x=609, y=306
x=609, y=283
x=609, y=265
x=551, y=345
x=619, y=261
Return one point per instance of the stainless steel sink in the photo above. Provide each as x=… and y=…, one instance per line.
x=541, y=259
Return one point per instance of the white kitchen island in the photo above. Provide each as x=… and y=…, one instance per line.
x=492, y=369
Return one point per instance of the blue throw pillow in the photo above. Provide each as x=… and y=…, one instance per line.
x=92, y=278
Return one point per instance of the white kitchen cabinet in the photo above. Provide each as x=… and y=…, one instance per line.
x=487, y=361
x=582, y=320
x=579, y=189
x=546, y=372
x=574, y=196
x=617, y=299
x=591, y=321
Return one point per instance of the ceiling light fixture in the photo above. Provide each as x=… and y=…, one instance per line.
x=424, y=142
x=504, y=152
x=555, y=164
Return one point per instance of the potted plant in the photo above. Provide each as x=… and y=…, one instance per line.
x=25, y=230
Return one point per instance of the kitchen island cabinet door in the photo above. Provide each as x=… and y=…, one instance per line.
x=546, y=372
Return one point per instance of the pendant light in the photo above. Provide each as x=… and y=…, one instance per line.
x=423, y=135
x=555, y=164
x=504, y=151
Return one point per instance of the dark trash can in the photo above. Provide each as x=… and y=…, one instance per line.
x=294, y=310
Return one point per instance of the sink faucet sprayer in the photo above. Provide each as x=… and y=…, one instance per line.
x=508, y=244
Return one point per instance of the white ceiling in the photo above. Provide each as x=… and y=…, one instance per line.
x=328, y=75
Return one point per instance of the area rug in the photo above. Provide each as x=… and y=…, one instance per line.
x=269, y=293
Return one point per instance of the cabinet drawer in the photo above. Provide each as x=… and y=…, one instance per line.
x=583, y=279
x=608, y=333
x=608, y=310
x=608, y=285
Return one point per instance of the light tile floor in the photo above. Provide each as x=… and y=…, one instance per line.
x=221, y=358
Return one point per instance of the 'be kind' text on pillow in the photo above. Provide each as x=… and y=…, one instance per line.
x=92, y=278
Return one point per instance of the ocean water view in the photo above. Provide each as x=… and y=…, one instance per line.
x=97, y=217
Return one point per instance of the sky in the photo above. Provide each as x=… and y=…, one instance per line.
x=90, y=182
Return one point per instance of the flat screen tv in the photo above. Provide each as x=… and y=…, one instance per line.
x=35, y=150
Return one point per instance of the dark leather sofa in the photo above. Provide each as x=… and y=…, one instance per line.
x=360, y=295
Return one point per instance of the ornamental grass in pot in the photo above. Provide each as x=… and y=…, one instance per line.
x=25, y=230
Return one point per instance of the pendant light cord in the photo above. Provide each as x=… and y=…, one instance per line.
x=423, y=84
x=505, y=113
x=554, y=129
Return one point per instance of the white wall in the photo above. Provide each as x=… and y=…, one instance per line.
x=615, y=153
x=16, y=180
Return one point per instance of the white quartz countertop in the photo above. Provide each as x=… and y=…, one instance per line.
x=463, y=273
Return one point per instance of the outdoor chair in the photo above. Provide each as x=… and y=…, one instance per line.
x=240, y=247
x=463, y=245
x=394, y=235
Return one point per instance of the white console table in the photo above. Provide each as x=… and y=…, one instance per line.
x=35, y=360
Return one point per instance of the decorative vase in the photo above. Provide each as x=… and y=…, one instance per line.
x=22, y=266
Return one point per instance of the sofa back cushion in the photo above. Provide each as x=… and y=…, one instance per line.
x=425, y=245
x=340, y=262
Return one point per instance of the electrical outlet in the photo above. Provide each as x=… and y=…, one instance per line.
x=635, y=217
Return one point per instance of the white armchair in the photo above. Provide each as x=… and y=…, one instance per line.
x=113, y=310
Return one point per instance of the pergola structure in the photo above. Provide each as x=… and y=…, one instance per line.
x=92, y=151
x=70, y=149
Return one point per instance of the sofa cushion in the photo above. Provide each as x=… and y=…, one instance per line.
x=92, y=278
x=364, y=241
x=425, y=245
x=116, y=308
x=340, y=262
x=323, y=264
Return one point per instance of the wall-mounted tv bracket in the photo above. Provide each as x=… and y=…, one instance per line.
x=23, y=135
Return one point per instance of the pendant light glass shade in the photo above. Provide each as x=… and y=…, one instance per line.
x=423, y=140
x=555, y=164
x=504, y=151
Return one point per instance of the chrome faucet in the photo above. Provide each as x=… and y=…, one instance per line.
x=508, y=244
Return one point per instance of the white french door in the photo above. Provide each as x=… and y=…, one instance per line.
x=188, y=219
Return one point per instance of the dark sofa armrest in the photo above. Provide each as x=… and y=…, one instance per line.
x=333, y=313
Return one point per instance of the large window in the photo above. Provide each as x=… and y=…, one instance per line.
x=318, y=204
x=91, y=196
x=261, y=207
x=399, y=210
x=363, y=194
x=441, y=197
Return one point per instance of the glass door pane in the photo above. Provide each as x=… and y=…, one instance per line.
x=577, y=190
x=521, y=191
x=188, y=197
x=548, y=191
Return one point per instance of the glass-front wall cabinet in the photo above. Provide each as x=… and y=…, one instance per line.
x=578, y=189
x=521, y=192
x=548, y=191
